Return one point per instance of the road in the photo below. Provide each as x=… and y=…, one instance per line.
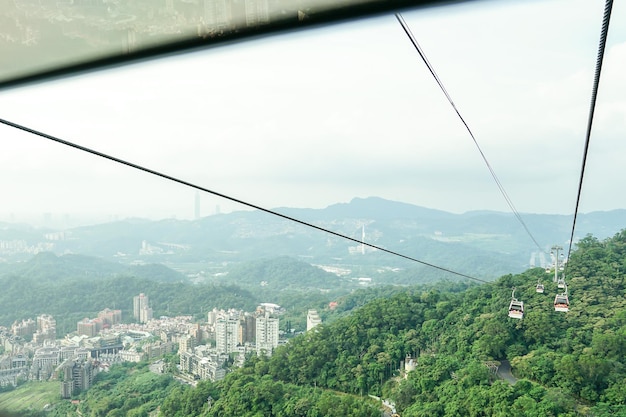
x=389, y=408
x=504, y=372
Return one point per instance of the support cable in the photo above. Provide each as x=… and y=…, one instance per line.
x=408, y=32
x=594, y=95
x=227, y=197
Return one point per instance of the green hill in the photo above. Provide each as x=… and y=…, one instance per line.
x=71, y=300
x=566, y=364
x=282, y=273
x=46, y=266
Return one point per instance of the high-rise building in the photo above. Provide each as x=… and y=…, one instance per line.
x=87, y=327
x=77, y=375
x=141, y=309
x=25, y=328
x=312, y=319
x=137, y=300
x=46, y=329
x=110, y=317
x=186, y=343
x=248, y=329
x=45, y=322
x=145, y=315
x=212, y=316
x=266, y=333
x=226, y=335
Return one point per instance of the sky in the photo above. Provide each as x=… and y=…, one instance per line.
x=322, y=116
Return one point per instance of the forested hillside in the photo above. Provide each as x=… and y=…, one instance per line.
x=567, y=363
x=283, y=273
x=72, y=287
x=70, y=300
x=48, y=267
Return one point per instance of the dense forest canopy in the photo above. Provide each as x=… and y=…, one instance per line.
x=567, y=364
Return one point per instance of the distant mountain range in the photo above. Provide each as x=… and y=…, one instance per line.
x=484, y=244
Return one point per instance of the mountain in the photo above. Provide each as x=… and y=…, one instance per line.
x=371, y=207
x=484, y=244
x=283, y=274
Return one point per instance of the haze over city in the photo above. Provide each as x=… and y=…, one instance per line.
x=320, y=117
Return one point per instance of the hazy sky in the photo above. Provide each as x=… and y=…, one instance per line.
x=322, y=116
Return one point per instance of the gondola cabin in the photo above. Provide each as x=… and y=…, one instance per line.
x=516, y=309
x=561, y=283
x=539, y=288
x=561, y=303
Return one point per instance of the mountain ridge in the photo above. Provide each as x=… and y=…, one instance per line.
x=468, y=241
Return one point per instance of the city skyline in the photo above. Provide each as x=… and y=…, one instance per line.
x=75, y=358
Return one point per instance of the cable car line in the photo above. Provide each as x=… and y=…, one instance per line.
x=218, y=194
x=594, y=95
x=561, y=301
x=421, y=53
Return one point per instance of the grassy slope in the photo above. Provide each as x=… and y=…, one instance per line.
x=30, y=396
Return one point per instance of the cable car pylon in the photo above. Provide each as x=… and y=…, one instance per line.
x=557, y=261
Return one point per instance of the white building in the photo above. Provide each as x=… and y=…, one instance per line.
x=131, y=355
x=266, y=333
x=209, y=367
x=226, y=335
